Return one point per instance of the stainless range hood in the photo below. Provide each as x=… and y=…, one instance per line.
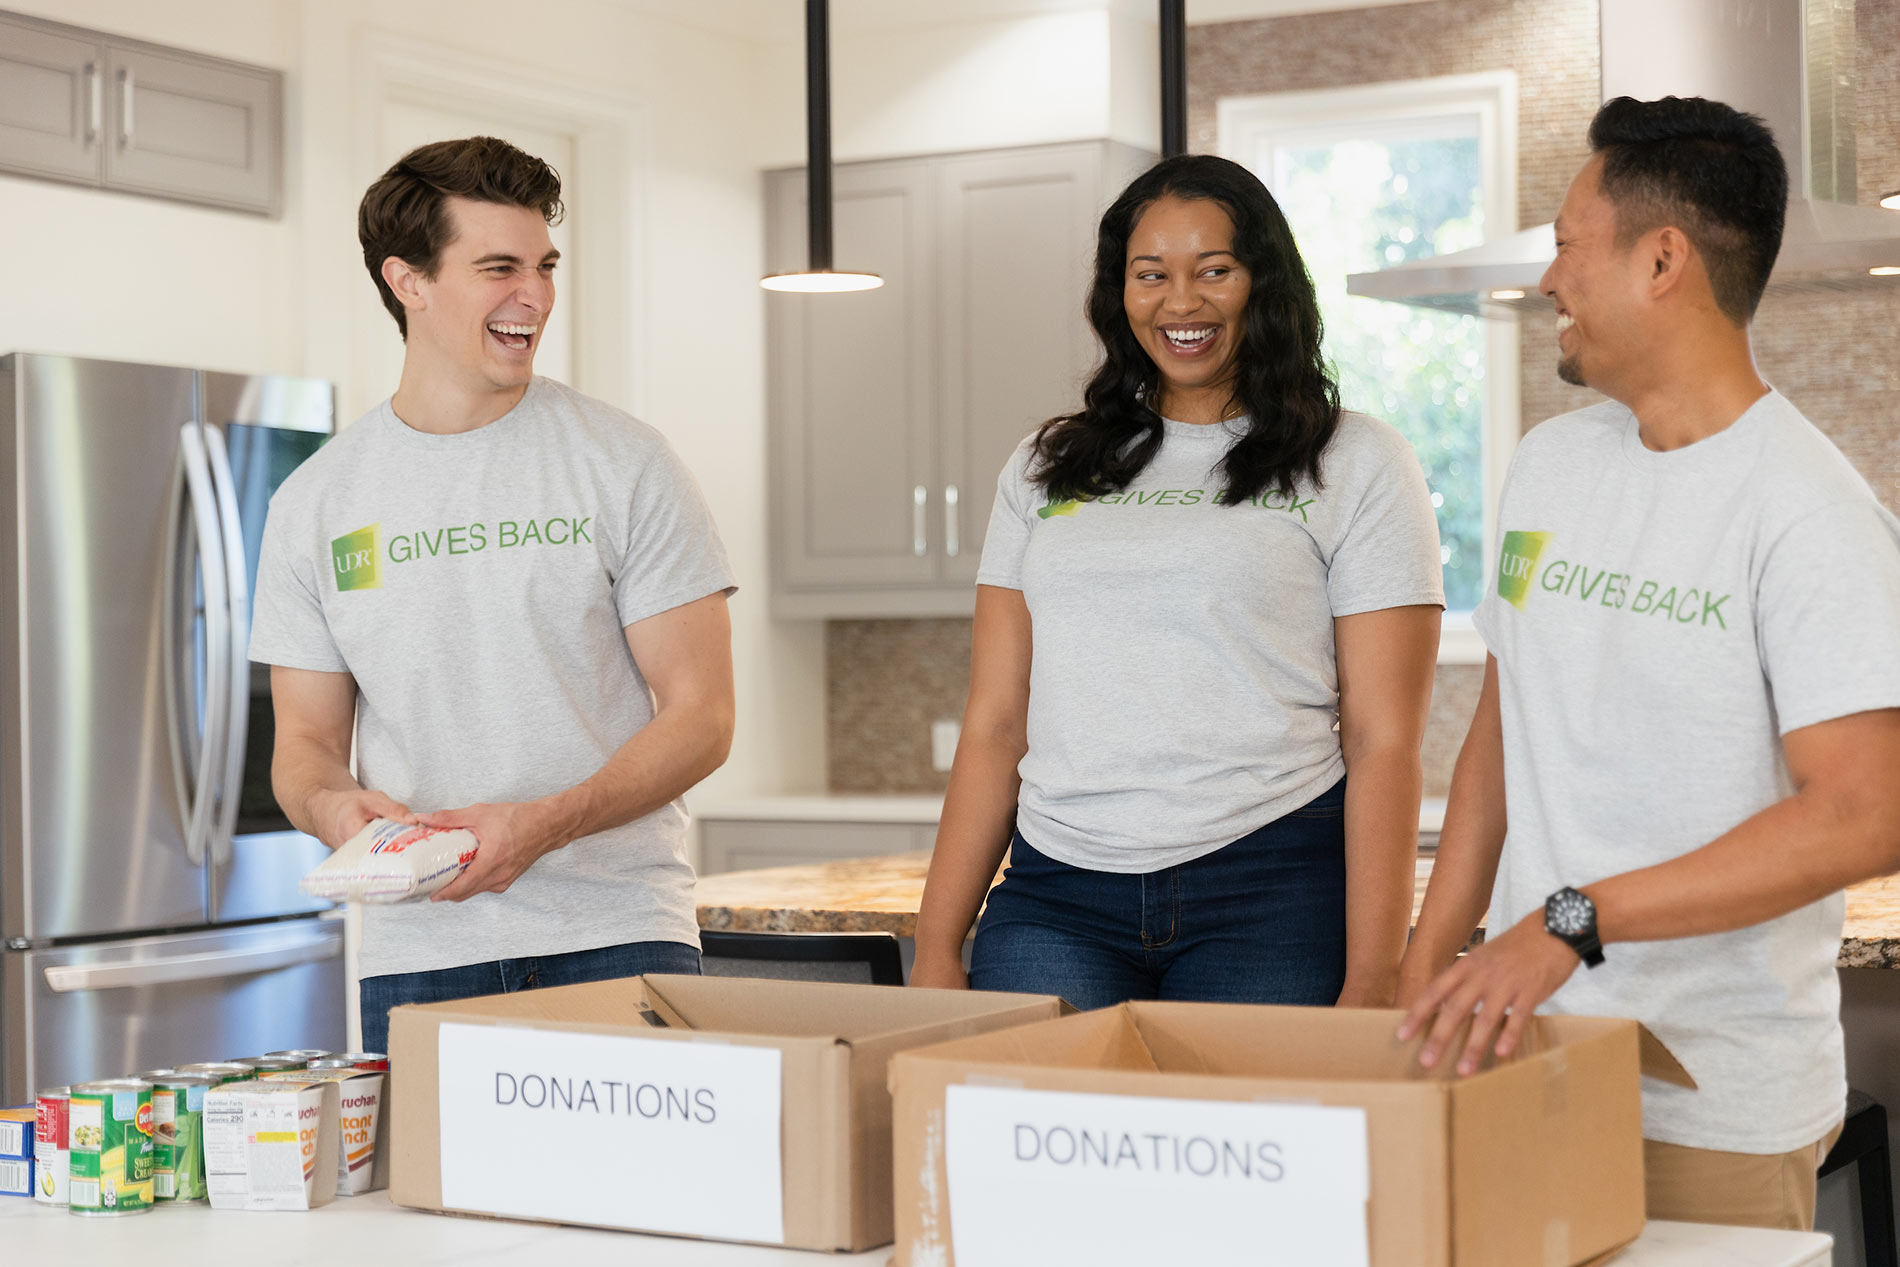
x=1789, y=61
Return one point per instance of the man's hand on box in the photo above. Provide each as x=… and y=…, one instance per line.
x=342, y=814
x=511, y=836
x=1497, y=986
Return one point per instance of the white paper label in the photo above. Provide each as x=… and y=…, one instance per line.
x=646, y=1133
x=1039, y=1177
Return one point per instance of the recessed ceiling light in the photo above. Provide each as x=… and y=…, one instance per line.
x=1507, y=294
x=1891, y=201
x=1885, y=270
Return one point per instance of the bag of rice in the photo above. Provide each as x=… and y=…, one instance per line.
x=392, y=862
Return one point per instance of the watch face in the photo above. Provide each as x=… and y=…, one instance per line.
x=1568, y=913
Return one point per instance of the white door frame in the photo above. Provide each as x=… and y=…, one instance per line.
x=609, y=132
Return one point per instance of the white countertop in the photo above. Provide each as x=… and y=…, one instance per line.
x=823, y=808
x=368, y=1230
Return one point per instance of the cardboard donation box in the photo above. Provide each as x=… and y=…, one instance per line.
x=1162, y=1132
x=728, y=1108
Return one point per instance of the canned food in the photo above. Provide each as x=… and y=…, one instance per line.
x=268, y=1064
x=178, y=1141
x=366, y=1060
x=333, y=1062
x=52, y=1143
x=223, y=1070
x=152, y=1075
x=111, y=1144
x=306, y=1055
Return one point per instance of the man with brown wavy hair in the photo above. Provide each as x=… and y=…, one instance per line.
x=511, y=599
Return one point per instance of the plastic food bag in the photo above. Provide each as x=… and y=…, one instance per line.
x=392, y=862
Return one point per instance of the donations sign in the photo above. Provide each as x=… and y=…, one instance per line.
x=612, y=1130
x=1039, y=1177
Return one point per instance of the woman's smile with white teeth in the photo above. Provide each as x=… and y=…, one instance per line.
x=1190, y=338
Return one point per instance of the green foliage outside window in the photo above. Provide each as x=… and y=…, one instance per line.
x=1360, y=205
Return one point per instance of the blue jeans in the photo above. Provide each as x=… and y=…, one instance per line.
x=1262, y=920
x=505, y=976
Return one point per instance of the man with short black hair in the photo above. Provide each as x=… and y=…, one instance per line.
x=1686, y=741
x=511, y=600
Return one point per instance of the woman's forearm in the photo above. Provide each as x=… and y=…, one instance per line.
x=1382, y=797
x=979, y=815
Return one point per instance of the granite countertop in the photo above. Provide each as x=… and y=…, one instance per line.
x=865, y=895
x=920, y=807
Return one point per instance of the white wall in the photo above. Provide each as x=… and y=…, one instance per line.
x=108, y=275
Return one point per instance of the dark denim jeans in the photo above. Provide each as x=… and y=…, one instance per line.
x=1262, y=920
x=505, y=976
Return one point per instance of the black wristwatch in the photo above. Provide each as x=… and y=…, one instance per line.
x=1571, y=918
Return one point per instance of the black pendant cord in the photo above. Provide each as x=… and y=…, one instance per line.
x=1173, y=77
x=818, y=133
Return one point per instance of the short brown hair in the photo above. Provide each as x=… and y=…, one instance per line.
x=404, y=214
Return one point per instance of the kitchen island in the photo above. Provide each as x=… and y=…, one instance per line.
x=881, y=895
x=369, y=1230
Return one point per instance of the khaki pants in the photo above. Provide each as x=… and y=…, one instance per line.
x=1700, y=1185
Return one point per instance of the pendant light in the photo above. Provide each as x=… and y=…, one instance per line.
x=819, y=277
x=1173, y=77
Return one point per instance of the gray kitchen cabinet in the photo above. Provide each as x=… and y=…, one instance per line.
x=750, y=844
x=853, y=388
x=94, y=109
x=892, y=411
x=52, y=102
x=188, y=127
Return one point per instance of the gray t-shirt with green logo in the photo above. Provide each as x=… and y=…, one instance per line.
x=477, y=586
x=1660, y=620
x=1183, y=689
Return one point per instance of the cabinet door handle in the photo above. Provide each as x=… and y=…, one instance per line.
x=918, y=544
x=126, y=90
x=950, y=520
x=95, y=101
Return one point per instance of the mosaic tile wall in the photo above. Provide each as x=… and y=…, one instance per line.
x=1837, y=356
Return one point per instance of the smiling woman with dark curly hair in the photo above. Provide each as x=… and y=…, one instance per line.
x=1207, y=597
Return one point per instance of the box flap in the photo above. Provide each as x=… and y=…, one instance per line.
x=1546, y=1148
x=819, y=1009
x=1657, y=1060
x=1328, y=1044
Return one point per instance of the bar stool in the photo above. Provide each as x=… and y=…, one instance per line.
x=1863, y=1141
x=865, y=957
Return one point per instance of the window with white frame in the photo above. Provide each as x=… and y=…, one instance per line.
x=1376, y=175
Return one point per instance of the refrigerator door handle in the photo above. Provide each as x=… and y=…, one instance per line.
x=237, y=647
x=204, y=516
x=202, y=966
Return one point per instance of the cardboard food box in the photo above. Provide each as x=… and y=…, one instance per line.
x=726, y=1108
x=1105, y=1137
x=359, y=1164
x=16, y=1132
x=271, y=1145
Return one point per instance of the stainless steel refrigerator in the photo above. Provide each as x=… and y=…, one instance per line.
x=148, y=880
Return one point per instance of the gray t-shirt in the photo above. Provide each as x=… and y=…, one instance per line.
x=478, y=586
x=1660, y=620
x=1183, y=689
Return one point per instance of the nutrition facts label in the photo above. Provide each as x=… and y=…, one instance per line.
x=253, y=1151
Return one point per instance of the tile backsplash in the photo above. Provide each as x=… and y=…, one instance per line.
x=1836, y=356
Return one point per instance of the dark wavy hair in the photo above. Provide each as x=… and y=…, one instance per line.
x=1285, y=389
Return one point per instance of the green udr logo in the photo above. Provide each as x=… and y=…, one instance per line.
x=356, y=557
x=1517, y=564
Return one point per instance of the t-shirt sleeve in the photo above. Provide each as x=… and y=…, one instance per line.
x=1827, y=606
x=1010, y=520
x=673, y=554
x=288, y=626
x=1389, y=554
